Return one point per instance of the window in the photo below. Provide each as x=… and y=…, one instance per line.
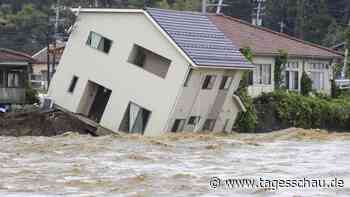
x=250, y=77
x=36, y=77
x=188, y=77
x=292, y=80
x=2, y=74
x=73, y=83
x=226, y=83
x=209, y=82
x=318, y=66
x=135, y=119
x=193, y=120
x=178, y=125
x=263, y=74
x=99, y=42
x=209, y=125
x=13, y=79
x=149, y=61
x=317, y=78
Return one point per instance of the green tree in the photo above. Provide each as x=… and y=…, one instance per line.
x=280, y=61
x=306, y=84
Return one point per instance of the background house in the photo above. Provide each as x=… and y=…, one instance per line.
x=316, y=60
x=178, y=75
x=14, y=69
x=38, y=76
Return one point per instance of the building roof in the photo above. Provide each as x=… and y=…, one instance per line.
x=264, y=41
x=199, y=38
x=193, y=34
x=7, y=55
x=41, y=56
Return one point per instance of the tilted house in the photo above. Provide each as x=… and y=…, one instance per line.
x=150, y=71
x=316, y=60
x=14, y=69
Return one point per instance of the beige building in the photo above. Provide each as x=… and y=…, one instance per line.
x=317, y=61
x=150, y=71
x=38, y=77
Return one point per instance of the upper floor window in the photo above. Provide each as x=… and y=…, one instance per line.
x=99, y=42
x=73, y=83
x=225, y=83
x=209, y=82
x=188, y=77
x=263, y=74
x=149, y=61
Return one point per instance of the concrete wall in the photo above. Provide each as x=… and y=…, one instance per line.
x=127, y=81
x=207, y=103
x=256, y=89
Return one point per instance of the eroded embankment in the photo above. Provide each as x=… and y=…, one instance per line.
x=39, y=124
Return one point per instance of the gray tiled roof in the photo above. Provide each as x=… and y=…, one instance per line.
x=199, y=38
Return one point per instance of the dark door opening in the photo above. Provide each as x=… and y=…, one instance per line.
x=135, y=119
x=100, y=102
x=178, y=125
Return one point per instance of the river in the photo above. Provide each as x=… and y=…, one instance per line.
x=173, y=165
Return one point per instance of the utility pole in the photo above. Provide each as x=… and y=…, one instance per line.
x=345, y=67
x=282, y=26
x=218, y=5
x=204, y=6
x=258, y=12
x=55, y=36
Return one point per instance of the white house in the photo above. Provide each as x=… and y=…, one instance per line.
x=316, y=60
x=150, y=71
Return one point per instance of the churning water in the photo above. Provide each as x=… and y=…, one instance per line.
x=172, y=165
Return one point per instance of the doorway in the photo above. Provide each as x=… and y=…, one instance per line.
x=135, y=119
x=94, y=101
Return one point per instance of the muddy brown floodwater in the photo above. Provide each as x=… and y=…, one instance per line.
x=172, y=165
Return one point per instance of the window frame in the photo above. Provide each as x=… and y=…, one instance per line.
x=226, y=82
x=260, y=73
x=193, y=120
x=209, y=82
x=102, y=38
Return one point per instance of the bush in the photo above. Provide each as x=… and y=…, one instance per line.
x=295, y=110
x=31, y=95
x=306, y=84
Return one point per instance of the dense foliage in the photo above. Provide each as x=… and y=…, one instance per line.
x=246, y=121
x=280, y=61
x=295, y=110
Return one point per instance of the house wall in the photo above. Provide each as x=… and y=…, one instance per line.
x=257, y=89
x=113, y=71
x=207, y=103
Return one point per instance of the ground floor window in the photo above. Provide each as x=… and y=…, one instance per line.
x=317, y=78
x=292, y=80
x=194, y=120
x=263, y=74
x=13, y=79
x=135, y=119
x=209, y=125
x=178, y=125
x=2, y=77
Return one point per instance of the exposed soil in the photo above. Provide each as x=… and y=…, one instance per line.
x=40, y=124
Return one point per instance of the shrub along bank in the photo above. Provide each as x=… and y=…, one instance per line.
x=281, y=109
